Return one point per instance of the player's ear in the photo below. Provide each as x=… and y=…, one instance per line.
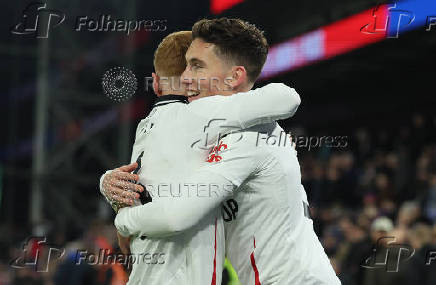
x=238, y=77
x=156, y=88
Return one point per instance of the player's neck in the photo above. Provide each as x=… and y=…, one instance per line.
x=171, y=86
x=243, y=88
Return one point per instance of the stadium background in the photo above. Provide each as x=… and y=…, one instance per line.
x=360, y=79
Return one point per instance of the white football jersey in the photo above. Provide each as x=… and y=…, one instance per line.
x=163, y=148
x=269, y=234
x=170, y=144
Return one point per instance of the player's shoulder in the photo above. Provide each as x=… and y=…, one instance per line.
x=141, y=127
x=207, y=105
x=248, y=141
x=262, y=140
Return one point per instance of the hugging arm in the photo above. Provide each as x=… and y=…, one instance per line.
x=172, y=215
x=274, y=101
x=169, y=216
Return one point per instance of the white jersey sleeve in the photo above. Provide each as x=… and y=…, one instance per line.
x=274, y=101
x=218, y=178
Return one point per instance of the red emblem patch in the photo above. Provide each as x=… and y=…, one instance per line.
x=213, y=155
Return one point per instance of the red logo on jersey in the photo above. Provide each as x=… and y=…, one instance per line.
x=213, y=155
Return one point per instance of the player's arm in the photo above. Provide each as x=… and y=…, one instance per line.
x=173, y=215
x=267, y=104
x=272, y=102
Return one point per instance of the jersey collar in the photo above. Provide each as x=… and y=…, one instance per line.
x=167, y=99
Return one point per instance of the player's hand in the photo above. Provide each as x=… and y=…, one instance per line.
x=119, y=185
x=123, y=243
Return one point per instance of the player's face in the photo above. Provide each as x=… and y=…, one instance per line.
x=206, y=74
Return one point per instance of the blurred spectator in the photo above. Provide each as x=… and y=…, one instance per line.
x=429, y=199
x=353, y=251
x=416, y=270
x=380, y=235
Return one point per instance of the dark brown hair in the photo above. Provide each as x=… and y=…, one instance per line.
x=235, y=40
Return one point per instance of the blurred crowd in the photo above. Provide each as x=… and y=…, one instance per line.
x=377, y=192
